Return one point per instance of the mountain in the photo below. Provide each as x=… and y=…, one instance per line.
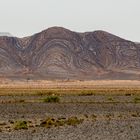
x=58, y=53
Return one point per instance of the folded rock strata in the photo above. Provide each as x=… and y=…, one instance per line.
x=58, y=53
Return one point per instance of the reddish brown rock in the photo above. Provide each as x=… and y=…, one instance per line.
x=58, y=53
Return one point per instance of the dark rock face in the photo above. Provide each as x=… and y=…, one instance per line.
x=58, y=53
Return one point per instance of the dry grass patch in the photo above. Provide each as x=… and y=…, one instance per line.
x=20, y=125
x=52, y=122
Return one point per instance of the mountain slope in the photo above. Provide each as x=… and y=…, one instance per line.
x=58, y=53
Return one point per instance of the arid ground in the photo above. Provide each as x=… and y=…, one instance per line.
x=69, y=110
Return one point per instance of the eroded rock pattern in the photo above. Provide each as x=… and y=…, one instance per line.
x=60, y=53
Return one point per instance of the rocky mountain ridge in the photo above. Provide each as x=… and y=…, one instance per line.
x=58, y=53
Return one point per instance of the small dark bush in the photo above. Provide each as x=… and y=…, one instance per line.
x=20, y=125
x=137, y=100
x=51, y=99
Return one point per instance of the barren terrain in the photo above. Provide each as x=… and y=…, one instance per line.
x=58, y=53
x=69, y=110
x=69, y=84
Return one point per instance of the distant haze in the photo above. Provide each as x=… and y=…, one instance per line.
x=26, y=17
x=5, y=34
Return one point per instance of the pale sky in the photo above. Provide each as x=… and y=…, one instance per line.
x=26, y=17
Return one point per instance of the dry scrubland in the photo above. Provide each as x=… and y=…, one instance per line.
x=69, y=110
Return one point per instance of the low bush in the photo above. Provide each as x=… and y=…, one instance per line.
x=20, y=125
x=137, y=99
x=51, y=99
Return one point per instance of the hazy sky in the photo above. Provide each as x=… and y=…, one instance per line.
x=26, y=17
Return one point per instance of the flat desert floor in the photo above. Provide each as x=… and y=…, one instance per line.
x=70, y=110
x=64, y=84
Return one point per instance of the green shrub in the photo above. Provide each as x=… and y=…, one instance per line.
x=20, y=125
x=111, y=99
x=137, y=100
x=51, y=99
x=86, y=93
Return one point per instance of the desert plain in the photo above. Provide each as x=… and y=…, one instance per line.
x=70, y=110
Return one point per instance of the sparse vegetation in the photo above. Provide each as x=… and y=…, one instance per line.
x=98, y=97
x=49, y=93
x=93, y=116
x=120, y=116
x=110, y=99
x=51, y=122
x=51, y=99
x=136, y=114
x=21, y=101
x=62, y=121
x=109, y=116
x=86, y=93
x=20, y=125
x=128, y=94
x=131, y=127
x=70, y=91
x=73, y=121
x=137, y=99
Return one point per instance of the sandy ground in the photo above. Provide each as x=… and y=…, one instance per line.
x=61, y=84
x=105, y=117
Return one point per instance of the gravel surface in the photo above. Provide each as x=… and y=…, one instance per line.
x=99, y=130
x=103, y=120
